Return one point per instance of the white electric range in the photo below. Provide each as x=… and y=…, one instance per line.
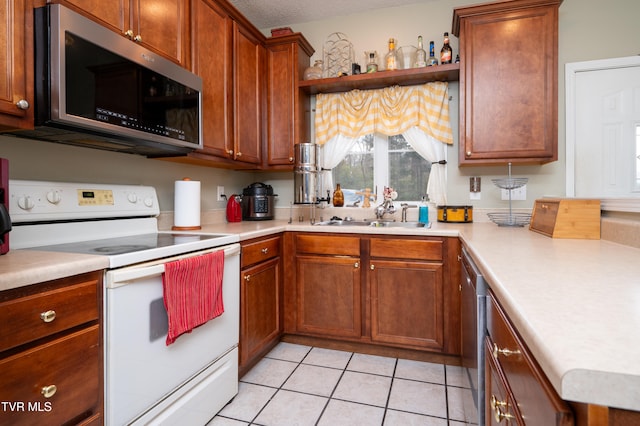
x=146, y=381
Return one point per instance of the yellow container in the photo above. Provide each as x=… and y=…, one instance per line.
x=455, y=214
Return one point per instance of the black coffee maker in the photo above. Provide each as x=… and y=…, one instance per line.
x=5, y=220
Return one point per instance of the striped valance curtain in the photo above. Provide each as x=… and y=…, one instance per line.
x=389, y=111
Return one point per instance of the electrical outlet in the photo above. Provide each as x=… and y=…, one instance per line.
x=220, y=193
x=517, y=194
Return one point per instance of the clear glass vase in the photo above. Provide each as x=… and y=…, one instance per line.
x=314, y=72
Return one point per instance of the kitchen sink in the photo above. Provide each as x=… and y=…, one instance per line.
x=372, y=223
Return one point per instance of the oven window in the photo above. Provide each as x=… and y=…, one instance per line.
x=111, y=89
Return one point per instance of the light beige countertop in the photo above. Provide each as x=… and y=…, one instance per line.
x=576, y=303
x=19, y=268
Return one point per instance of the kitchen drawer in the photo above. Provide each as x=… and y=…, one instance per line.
x=536, y=399
x=43, y=312
x=499, y=404
x=328, y=244
x=71, y=364
x=259, y=251
x=396, y=248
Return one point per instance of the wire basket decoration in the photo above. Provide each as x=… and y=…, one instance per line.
x=338, y=55
x=511, y=218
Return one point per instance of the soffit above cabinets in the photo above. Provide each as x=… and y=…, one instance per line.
x=278, y=13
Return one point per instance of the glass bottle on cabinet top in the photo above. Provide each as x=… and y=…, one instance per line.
x=446, y=53
x=421, y=55
x=432, y=56
x=391, y=58
x=372, y=62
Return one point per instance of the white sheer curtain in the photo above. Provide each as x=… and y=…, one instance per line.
x=333, y=152
x=434, y=151
x=419, y=113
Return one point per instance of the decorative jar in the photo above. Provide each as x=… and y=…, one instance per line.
x=314, y=72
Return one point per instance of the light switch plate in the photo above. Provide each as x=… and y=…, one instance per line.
x=220, y=193
x=517, y=194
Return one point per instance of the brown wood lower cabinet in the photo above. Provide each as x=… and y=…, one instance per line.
x=329, y=299
x=517, y=389
x=260, y=299
x=54, y=375
x=392, y=291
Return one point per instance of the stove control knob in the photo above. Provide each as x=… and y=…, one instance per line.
x=25, y=203
x=148, y=201
x=133, y=198
x=54, y=197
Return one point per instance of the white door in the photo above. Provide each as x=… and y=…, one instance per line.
x=603, y=128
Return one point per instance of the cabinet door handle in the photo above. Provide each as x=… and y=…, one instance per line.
x=48, y=316
x=138, y=38
x=230, y=152
x=505, y=352
x=48, y=391
x=291, y=159
x=264, y=250
x=247, y=277
x=372, y=267
x=356, y=265
x=129, y=33
x=468, y=153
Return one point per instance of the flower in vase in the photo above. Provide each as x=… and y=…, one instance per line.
x=389, y=194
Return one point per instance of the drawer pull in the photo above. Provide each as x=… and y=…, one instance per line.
x=49, y=391
x=264, y=250
x=505, y=352
x=498, y=414
x=495, y=402
x=247, y=277
x=48, y=316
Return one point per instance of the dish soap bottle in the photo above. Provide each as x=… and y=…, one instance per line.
x=423, y=211
x=338, y=197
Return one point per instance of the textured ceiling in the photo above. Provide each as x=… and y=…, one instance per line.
x=266, y=14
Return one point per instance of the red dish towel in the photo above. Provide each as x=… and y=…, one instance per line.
x=192, y=292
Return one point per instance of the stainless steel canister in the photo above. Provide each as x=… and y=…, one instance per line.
x=305, y=173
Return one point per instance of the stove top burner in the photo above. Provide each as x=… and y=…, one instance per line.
x=120, y=249
x=128, y=244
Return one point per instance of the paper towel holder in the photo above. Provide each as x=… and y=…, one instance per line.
x=186, y=228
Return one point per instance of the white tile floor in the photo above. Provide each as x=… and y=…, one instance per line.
x=301, y=385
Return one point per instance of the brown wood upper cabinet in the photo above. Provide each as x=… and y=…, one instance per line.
x=508, y=82
x=16, y=95
x=288, y=109
x=159, y=26
x=229, y=55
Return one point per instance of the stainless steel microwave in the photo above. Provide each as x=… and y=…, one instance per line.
x=97, y=89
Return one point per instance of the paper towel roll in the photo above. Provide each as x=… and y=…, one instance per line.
x=186, y=213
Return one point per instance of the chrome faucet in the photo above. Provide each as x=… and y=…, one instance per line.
x=386, y=207
x=405, y=206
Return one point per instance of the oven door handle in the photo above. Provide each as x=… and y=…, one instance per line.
x=119, y=277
